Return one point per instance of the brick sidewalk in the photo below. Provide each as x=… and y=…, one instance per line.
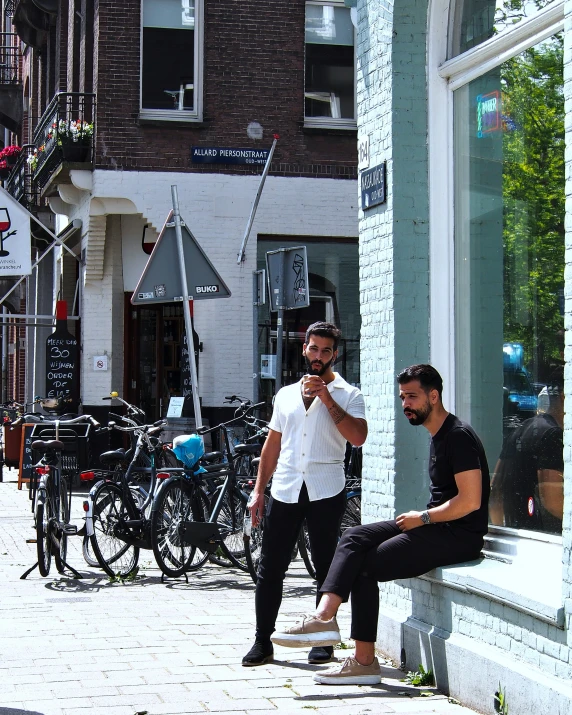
x=91, y=646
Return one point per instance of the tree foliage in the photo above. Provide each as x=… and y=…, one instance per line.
x=533, y=197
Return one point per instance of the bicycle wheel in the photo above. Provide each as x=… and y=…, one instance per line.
x=230, y=521
x=176, y=503
x=87, y=548
x=60, y=554
x=352, y=512
x=304, y=550
x=114, y=555
x=43, y=536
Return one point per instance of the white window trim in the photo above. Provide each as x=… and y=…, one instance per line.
x=330, y=122
x=179, y=115
x=444, y=77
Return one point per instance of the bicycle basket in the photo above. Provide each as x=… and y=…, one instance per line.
x=75, y=456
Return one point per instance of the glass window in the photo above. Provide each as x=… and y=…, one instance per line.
x=170, y=56
x=333, y=275
x=509, y=261
x=475, y=21
x=330, y=72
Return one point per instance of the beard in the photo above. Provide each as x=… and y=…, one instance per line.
x=418, y=417
x=317, y=367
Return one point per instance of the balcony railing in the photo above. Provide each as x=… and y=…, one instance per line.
x=65, y=135
x=10, y=59
x=19, y=184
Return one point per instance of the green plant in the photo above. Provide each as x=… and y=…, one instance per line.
x=420, y=677
x=501, y=705
x=343, y=646
x=132, y=576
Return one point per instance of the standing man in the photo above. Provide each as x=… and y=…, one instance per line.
x=304, y=454
x=449, y=531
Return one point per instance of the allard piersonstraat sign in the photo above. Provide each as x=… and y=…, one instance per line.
x=228, y=155
x=373, y=186
x=15, y=238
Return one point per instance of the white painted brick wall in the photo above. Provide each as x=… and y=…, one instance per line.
x=216, y=208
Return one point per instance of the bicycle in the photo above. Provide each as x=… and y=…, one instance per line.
x=51, y=497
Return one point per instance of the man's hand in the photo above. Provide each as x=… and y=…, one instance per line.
x=410, y=520
x=314, y=386
x=256, y=507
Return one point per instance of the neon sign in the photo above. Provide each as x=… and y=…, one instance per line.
x=488, y=113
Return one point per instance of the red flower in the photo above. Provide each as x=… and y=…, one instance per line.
x=10, y=151
x=3, y=165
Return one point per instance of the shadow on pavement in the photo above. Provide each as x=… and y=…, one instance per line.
x=14, y=711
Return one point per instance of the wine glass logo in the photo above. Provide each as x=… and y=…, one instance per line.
x=5, y=232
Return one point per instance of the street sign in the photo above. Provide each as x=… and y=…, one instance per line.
x=373, y=186
x=228, y=155
x=288, y=278
x=15, y=238
x=161, y=281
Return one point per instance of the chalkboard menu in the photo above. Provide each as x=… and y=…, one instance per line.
x=62, y=366
x=26, y=460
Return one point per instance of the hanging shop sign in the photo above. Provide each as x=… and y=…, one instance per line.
x=373, y=186
x=228, y=155
x=15, y=238
x=288, y=285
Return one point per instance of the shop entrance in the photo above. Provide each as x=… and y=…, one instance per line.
x=154, y=339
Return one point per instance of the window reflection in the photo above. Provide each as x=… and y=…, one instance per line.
x=509, y=284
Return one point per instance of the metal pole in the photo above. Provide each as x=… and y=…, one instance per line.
x=255, y=359
x=186, y=309
x=4, y=355
x=241, y=254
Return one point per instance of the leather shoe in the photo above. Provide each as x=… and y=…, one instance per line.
x=321, y=654
x=260, y=653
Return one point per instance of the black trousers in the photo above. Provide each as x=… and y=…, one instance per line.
x=381, y=552
x=282, y=524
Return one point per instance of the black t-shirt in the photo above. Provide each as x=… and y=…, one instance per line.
x=536, y=444
x=456, y=448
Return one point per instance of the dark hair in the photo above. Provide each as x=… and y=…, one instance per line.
x=324, y=330
x=428, y=377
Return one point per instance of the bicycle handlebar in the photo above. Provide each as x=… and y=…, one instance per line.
x=206, y=430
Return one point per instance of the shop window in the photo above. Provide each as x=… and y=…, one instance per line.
x=171, y=59
x=330, y=66
x=509, y=279
x=475, y=21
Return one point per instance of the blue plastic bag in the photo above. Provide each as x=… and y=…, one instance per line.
x=188, y=449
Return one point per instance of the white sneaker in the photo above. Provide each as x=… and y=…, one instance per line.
x=310, y=631
x=350, y=672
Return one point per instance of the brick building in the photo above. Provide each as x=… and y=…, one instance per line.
x=144, y=82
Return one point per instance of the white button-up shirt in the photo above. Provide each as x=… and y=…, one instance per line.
x=312, y=449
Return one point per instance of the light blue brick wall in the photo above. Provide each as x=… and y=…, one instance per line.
x=394, y=289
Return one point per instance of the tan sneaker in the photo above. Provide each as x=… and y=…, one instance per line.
x=350, y=672
x=310, y=631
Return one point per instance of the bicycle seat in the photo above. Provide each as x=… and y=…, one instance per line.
x=116, y=455
x=50, y=445
x=211, y=457
x=255, y=462
x=247, y=448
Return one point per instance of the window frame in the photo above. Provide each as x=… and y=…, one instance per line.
x=444, y=77
x=331, y=122
x=179, y=115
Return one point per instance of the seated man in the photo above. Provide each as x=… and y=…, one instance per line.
x=451, y=530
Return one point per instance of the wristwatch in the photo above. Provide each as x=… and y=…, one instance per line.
x=425, y=518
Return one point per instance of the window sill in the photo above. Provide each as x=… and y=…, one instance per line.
x=323, y=125
x=514, y=584
x=157, y=116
